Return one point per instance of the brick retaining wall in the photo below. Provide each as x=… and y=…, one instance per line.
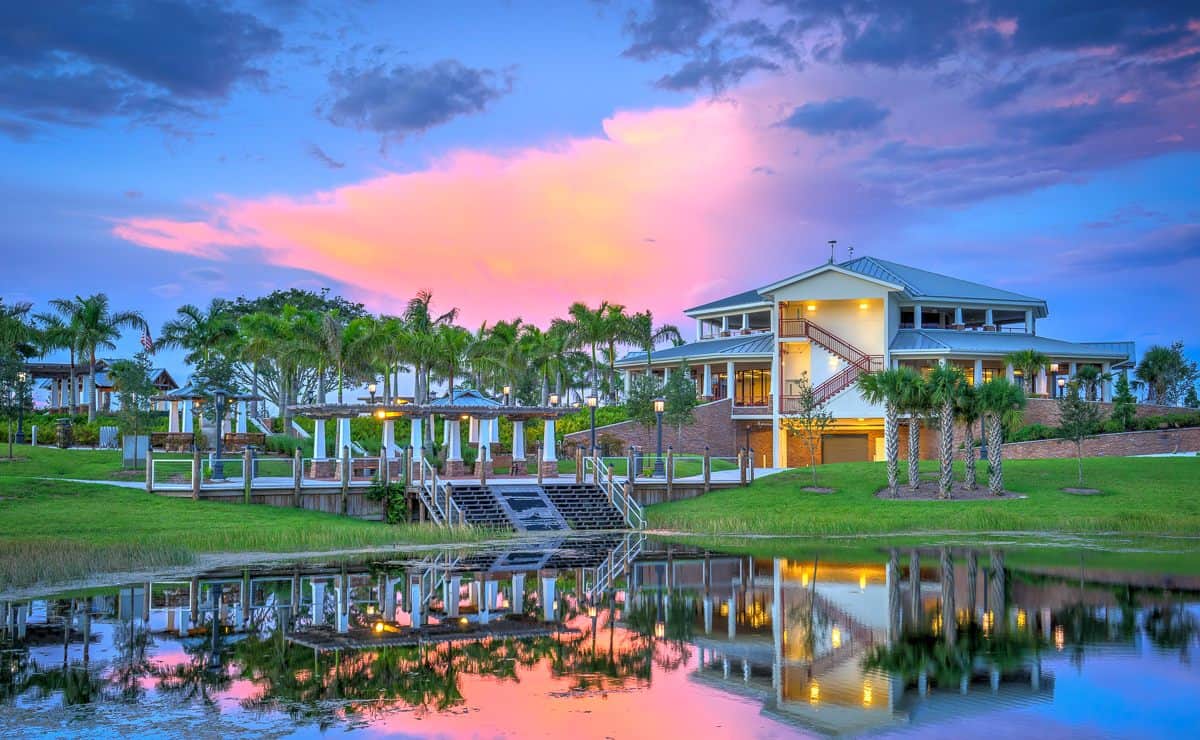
x=1045, y=411
x=1155, y=441
x=712, y=427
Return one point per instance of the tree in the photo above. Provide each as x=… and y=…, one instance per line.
x=641, y=333
x=679, y=395
x=809, y=421
x=96, y=326
x=1190, y=399
x=914, y=401
x=1124, y=408
x=1077, y=419
x=593, y=328
x=422, y=324
x=205, y=335
x=1089, y=378
x=944, y=384
x=135, y=388
x=1000, y=402
x=1030, y=362
x=452, y=343
x=1167, y=373
x=643, y=389
x=887, y=387
x=966, y=412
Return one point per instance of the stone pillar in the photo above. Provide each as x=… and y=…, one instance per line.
x=978, y=380
x=518, y=443
x=318, y=439
x=188, y=415
x=173, y=417
x=241, y=416
x=549, y=448
x=454, y=448
x=473, y=431
x=388, y=443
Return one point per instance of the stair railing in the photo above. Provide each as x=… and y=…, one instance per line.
x=436, y=496
x=602, y=475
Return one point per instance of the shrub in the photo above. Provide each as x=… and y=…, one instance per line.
x=285, y=445
x=1032, y=432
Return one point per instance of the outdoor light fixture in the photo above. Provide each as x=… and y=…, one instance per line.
x=371, y=388
x=591, y=612
x=862, y=306
x=553, y=399
x=660, y=630
x=591, y=404
x=507, y=390
x=660, y=405
x=378, y=627
x=19, y=437
x=1054, y=367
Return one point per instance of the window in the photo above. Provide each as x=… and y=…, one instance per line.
x=752, y=387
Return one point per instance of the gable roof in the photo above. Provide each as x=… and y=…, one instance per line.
x=749, y=345
x=1002, y=342
x=466, y=397
x=745, y=298
x=918, y=283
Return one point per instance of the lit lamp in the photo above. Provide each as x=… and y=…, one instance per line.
x=591, y=404
x=553, y=399
x=22, y=376
x=660, y=405
x=1062, y=383
x=660, y=630
x=507, y=390
x=371, y=388
x=218, y=465
x=591, y=611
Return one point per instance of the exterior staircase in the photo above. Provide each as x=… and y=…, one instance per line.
x=857, y=361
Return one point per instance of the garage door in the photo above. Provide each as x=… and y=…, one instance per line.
x=837, y=448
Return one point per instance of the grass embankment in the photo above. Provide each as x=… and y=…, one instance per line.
x=53, y=530
x=1145, y=496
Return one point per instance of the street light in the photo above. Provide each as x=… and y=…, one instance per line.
x=553, y=399
x=218, y=466
x=21, y=377
x=591, y=404
x=660, y=405
x=371, y=388
x=507, y=390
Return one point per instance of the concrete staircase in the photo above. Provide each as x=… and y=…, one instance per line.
x=534, y=508
x=585, y=506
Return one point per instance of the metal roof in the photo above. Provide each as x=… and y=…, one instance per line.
x=749, y=345
x=920, y=283
x=1001, y=343
x=745, y=298
x=466, y=398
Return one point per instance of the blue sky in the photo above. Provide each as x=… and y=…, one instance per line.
x=176, y=151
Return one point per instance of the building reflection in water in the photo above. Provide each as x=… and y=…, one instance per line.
x=828, y=645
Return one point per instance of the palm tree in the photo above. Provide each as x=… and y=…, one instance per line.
x=641, y=333
x=1000, y=402
x=593, y=328
x=285, y=341
x=1158, y=366
x=966, y=412
x=96, y=327
x=452, y=343
x=56, y=333
x=944, y=385
x=423, y=323
x=1089, y=377
x=336, y=348
x=201, y=333
x=914, y=401
x=887, y=387
x=1030, y=362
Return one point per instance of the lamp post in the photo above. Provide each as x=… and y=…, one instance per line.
x=371, y=388
x=1062, y=383
x=591, y=404
x=21, y=378
x=507, y=390
x=218, y=466
x=660, y=405
x=553, y=399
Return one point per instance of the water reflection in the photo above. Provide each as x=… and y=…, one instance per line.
x=909, y=638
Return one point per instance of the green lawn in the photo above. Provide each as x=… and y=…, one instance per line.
x=1153, y=496
x=52, y=530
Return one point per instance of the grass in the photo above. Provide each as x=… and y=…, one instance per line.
x=53, y=530
x=1146, y=496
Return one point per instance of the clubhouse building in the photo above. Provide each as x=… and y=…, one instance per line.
x=837, y=321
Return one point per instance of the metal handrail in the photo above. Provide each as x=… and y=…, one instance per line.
x=429, y=494
x=615, y=561
x=635, y=517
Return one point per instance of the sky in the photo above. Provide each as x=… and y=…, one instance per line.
x=514, y=157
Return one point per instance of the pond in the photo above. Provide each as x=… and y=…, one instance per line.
x=618, y=636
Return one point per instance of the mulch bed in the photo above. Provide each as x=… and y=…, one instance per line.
x=816, y=489
x=929, y=492
x=1083, y=491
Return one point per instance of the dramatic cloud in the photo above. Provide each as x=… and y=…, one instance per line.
x=409, y=99
x=96, y=60
x=1176, y=246
x=712, y=72
x=1069, y=125
x=669, y=27
x=321, y=156
x=836, y=116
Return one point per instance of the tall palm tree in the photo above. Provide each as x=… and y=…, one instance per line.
x=423, y=323
x=641, y=332
x=1030, y=362
x=56, y=334
x=285, y=341
x=1156, y=369
x=96, y=327
x=914, y=401
x=966, y=412
x=1089, y=377
x=945, y=383
x=594, y=328
x=1000, y=402
x=202, y=333
x=337, y=349
x=887, y=387
x=452, y=344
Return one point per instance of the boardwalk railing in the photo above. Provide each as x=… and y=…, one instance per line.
x=603, y=476
x=436, y=496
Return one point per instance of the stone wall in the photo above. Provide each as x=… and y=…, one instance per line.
x=1152, y=442
x=712, y=427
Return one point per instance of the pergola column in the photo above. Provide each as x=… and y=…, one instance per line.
x=473, y=431
x=454, y=448
x=318, y=439
x=173, y=417
x=484, y=441
x=188, y=415
x=445, y=432
x=343, y=435
x=548, y=597
x=549, y=452
x=388, y=443
x=493, y=432
x=241, y=416
x=518, y=443
x=414, y=436
x=518, y=593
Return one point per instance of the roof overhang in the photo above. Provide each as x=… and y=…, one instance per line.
x=1040, y=309
x=948, y=352
x=674, y=361
x=823, y=269
x=701, y=313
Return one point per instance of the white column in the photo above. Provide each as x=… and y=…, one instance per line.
x=548, y=597
x=318, y=439
x=483, y=443
x=706, y=390
x=1041, y=381
x=454, y=448
x=518, y=443
x=1008, y=372
x=699, y=329
x=1029, y=321
x=187, y=415
x=549, y=453
x=173, y=417
x=958, y=319
x=453, y=595
x=729, y=379
x=343, y=435
x=978, y=372
x=988, y=318
x=917, y=316
x=388, y=444
x=666, y=374
x=724, y=323
x=493, y=432
x=414, y=435
x=318, y=602
x=241, y=420
x=491, y=590
x=1106, y=385
x=473, y=431
x=627, y=379
x=415, y=599
x=745, y=321
x=518, y=593
x=445, y=432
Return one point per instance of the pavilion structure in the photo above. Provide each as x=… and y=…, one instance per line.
x=482, y=414
x=61, y=382
x=183, y=407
